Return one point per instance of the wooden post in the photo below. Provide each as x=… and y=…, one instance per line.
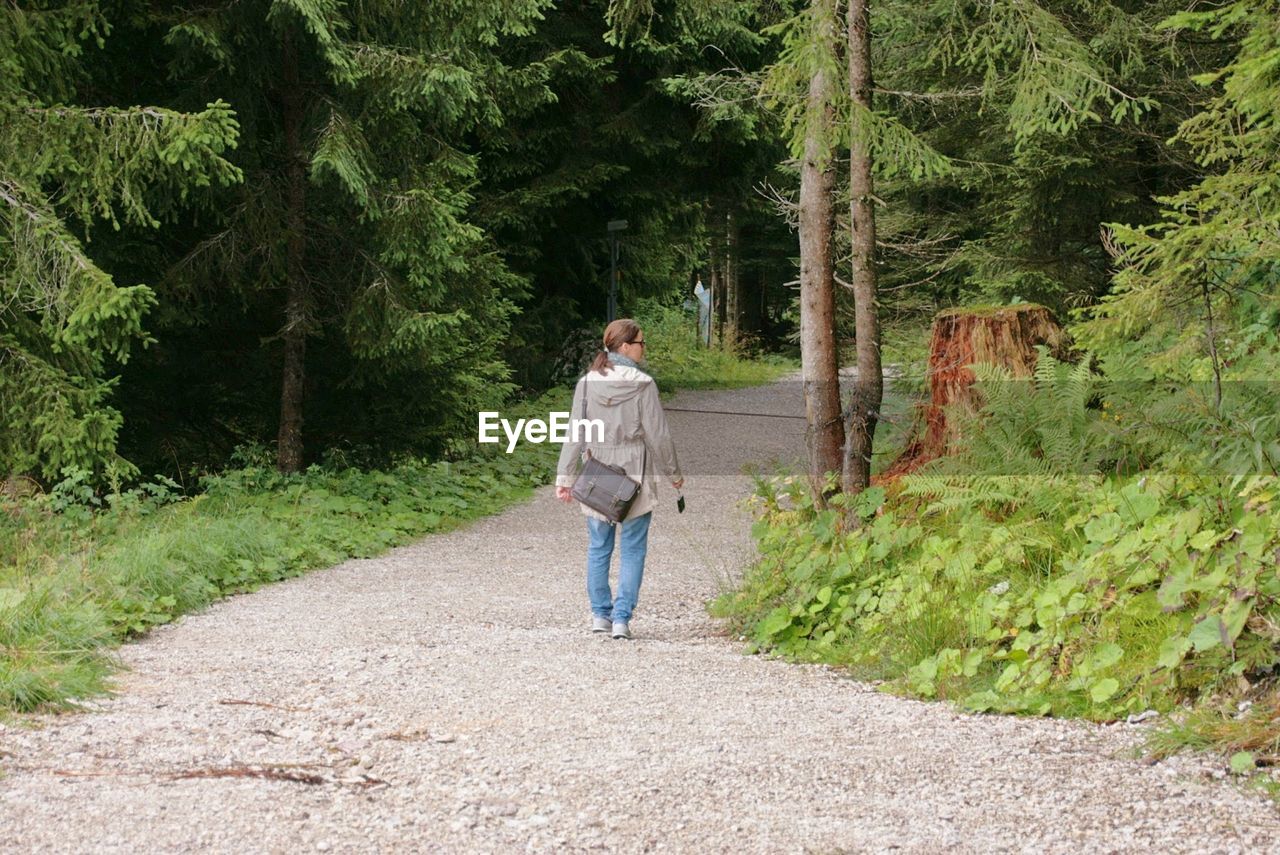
x=733, y=284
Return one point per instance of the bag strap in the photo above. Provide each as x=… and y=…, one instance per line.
x=587, y=451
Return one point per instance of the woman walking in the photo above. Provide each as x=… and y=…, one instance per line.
x=616, y=392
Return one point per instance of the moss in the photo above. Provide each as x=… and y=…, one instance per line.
x=988, y=311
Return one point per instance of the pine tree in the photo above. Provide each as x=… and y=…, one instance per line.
x=354, y=218
x=1055, y=117
x=819, y=356
x=835, y=111
x=863, y=410
x=1217, y=240
x=64, y=167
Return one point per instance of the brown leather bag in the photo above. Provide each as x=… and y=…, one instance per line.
x=606, y=489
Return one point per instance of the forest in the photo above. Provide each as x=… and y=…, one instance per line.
x=277, y=254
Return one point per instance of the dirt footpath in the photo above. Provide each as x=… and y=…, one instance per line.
x=449, y=697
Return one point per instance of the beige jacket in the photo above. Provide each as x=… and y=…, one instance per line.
x=626, y=400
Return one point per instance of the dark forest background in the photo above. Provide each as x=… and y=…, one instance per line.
x=316, y=225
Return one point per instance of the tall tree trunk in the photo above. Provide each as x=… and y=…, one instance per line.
x=868, y=387
x=753, y=301
x=294, y=333
x=733, y=285
x=818, y=361
x=717, y=278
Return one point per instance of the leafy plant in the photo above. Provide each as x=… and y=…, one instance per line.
x=1048, y=424
x=1088, y=596
x=676, y=358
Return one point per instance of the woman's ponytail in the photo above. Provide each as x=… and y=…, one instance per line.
x=601, y=363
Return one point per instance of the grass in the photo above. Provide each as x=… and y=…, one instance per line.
x=1247, y=730
x=74, y=581
x=81, y=572
x=677, y=360
x=1229, y=725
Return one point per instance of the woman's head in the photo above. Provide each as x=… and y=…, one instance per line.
x=620, y=332
x=622, y=336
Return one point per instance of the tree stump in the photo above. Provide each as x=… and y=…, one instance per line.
x=1005, y=336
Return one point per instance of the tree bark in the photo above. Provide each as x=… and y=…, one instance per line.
x=716, y=284
x=294, y=333
x=819, y=365
x=868, y=386
x=733, y=285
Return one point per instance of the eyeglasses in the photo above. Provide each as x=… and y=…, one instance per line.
x=638, y=341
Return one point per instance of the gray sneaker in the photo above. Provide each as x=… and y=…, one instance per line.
x=600, y=624
x=621, y=629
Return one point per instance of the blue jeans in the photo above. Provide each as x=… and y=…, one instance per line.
x=635, y=543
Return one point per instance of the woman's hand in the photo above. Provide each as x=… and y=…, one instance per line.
x=564, y=494
x=678, y=484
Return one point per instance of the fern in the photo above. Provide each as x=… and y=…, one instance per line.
x=962, y=492
x=1031, y=496
x=1043, y=426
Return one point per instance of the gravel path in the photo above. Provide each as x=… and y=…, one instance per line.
x=449, y=697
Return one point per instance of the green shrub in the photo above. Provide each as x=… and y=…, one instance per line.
x=1071, y=595
x=80, y=572
x=676, y=358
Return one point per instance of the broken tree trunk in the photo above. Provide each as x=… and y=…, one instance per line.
x=1006, y=336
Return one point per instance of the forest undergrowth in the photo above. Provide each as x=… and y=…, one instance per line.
x=1093, y=548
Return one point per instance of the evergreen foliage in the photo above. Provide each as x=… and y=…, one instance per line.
x=620, y=141
x=64, y=166
x=460, y=160
x=811, y=41
x=402, y=294
x=1215, y=248
x=1053, y=117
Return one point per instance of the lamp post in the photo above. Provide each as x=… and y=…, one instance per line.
x=613, y=228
